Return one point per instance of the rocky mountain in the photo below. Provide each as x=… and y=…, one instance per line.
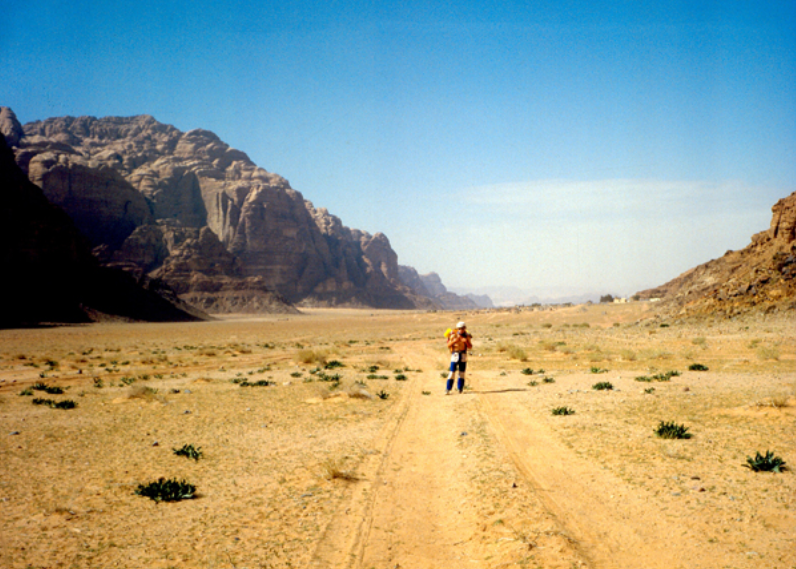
x=49, y=272
x=762, y=276
x=186, y=208
x=430, y=285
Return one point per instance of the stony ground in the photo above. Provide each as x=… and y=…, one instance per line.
x=370, y=465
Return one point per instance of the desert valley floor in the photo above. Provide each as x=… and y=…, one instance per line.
x=327, y=442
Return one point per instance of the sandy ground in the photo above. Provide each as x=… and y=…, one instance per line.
x=326, y=474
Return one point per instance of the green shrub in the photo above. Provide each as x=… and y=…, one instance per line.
x=373, y=368
x=765, y=463
x=333, y=364
x=596, y=369
x=27, y=391
x=260, y=383
x=400, y=377
x=649, y=390
x=697, y=367
x=527, y=371
x=644, y=378
x=65, y=404
x=189, y=451
x=382, y=394
x=533, y=383
x=295, y=374
x=603, y=386
x=163, y=490
x=548, y=380
x=563, y=411
x=374, y=376
x=672, y=430
x=52, y=390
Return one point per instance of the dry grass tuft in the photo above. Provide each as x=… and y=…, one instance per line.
x=143, y=392
x=333, y=469
x=307, y=356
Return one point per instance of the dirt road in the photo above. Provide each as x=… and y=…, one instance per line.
x=476, y=480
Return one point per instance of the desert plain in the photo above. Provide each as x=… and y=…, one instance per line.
x=327, y=442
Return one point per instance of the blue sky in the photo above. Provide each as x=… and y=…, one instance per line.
x=559, y=147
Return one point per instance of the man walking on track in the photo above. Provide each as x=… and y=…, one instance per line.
x=459, y=341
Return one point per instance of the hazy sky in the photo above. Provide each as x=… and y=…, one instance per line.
x=553, y=146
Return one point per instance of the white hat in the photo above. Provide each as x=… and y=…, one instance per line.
x=461, y=325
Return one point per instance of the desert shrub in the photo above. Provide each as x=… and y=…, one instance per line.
x=443, y=374
x=628, y=355
x=700, y=341
x=644, y=378
x=603, y=386
x=671, y=430
x=127, y=380
x=527, y=371
x=65, y=404
x=563, y=411
x=697, y=367
x=375, y=376
x=533, y=383
x=547, y=325
x=334, y=470
x=382, y=394
x=664, y=376
x=649, y=390
x=259, y=383
x=27, y=391
x=373, y=368
x=52, y=390
x=189, y=451
x=765, y=463
x=596, y=369
x=426, y=392
x=400, y=377
x=333, y=364
x=163, y=490
x=548, y=380
x=516, y=353
x=307, y=356
x=768, y=352
x=296, y=374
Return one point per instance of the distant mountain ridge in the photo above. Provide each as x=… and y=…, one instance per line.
x=186, y=208
x=762, y=276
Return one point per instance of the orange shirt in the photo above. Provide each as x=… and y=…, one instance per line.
x=457, y=343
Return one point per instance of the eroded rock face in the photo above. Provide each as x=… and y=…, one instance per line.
x=430, y=285
x=50, y=274
x=119, y=178
x=760, y=276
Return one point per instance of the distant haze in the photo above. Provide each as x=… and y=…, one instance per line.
x=560, y=148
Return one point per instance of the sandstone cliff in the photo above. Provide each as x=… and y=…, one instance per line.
x=125, y=180
x=762, y=276
x=430, y=285
x=49, y=272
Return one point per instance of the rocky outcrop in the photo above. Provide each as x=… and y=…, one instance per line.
x=49, y=272
x=430, y=285
x=120, y=178
x=762, y=276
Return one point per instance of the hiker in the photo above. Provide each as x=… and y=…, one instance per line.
x=459, y=341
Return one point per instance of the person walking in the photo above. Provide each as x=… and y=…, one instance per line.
x=459, y=341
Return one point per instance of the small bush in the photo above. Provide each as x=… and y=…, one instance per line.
x=765, y=463
x=649, y=390
x=697, y=367
x=52, y=390
x=426, y=392
x=516, y=353
x=333, y=364
x=400, y=377
x=527, y=371
x=596, y=369
x=383, y=394
x=644, y=378
x=311, y=357
x=295, y=374
x=563, y=411
x=374, y=376
x=672, y=430
x=163, y=490
x=603, y=386
x=373, y=368
x=334, y=470
x=65, y=404
x=260, y=383
x=189, y=451
x=533, y=383
x=27, y=391
x=548, y=380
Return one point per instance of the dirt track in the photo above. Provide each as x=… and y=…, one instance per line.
x=485, y=479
